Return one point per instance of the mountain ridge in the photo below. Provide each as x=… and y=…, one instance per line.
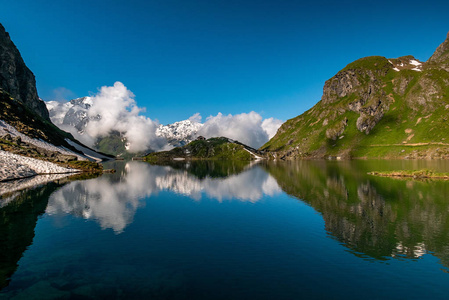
x=374, y=108
x=73, y=116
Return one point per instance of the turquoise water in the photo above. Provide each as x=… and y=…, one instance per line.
x=229, y=231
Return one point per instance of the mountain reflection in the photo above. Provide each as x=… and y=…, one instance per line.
x=113, y=199
x=18, y=217
x=374, y=217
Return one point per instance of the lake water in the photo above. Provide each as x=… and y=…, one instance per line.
x=217, y=230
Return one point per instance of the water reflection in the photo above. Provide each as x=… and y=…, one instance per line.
x=11, y=187
x=113, y=199
x=274, y=249
x=18, y=218
x=374, y=217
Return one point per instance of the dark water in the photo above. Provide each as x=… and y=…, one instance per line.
x=303, y=230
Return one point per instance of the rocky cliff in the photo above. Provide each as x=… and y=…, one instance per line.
x=15, y=77
x=29, y=143
x=375, y=107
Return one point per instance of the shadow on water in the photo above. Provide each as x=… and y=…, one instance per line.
x=374, y=217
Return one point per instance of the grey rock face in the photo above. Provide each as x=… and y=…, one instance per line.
x=370, y=116
x=441, y=55
x=339, y=86
x=15, y=77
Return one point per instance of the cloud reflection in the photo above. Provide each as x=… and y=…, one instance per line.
x=112, y=200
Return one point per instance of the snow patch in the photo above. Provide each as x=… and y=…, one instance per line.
x=415, y=62
x=89, y=153
x=16, y=166
x=253, y=154
x=5, y=128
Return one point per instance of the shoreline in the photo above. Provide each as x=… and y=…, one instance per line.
x=40, y=174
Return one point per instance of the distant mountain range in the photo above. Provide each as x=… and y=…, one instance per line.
x=73, y=116
x=375, y=108
x=179, y=133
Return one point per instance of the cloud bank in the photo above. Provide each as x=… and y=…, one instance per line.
x=247, y=128
x=114, y=108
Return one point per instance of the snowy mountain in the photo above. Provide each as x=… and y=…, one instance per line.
x=72, y=113
x=73, y=116
x=179, y=133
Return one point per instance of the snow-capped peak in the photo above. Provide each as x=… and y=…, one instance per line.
x=179, y=133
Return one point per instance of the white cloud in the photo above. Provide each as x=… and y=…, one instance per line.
x=119, y=112
x=196, y=118
x=271, y=126
x=247, y=128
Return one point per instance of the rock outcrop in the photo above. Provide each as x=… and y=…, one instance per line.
x=15, y=77
x=441, y=55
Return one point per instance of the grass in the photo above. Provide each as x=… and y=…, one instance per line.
x=415, y=113
x=85, y=166
x=211, y=149
x=416, y=174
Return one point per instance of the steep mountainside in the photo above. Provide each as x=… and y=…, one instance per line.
x=29, y=143
x=15, y=77
x=375, y=107
x=214, y=148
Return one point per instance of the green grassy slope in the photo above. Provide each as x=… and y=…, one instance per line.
x=405, y=113
x=214, y=148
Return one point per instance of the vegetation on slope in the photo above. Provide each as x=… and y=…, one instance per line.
x=220, y=148
x=374, y=108
x=25, y=121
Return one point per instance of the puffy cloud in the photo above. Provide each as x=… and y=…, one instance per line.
x=119, y=112
x=113, y=108
x=248, y=128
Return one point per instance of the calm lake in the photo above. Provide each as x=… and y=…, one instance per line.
x=229, y=230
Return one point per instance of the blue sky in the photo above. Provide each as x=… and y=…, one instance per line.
x=183, y=57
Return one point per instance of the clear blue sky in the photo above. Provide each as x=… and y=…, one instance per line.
x=182, y=57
